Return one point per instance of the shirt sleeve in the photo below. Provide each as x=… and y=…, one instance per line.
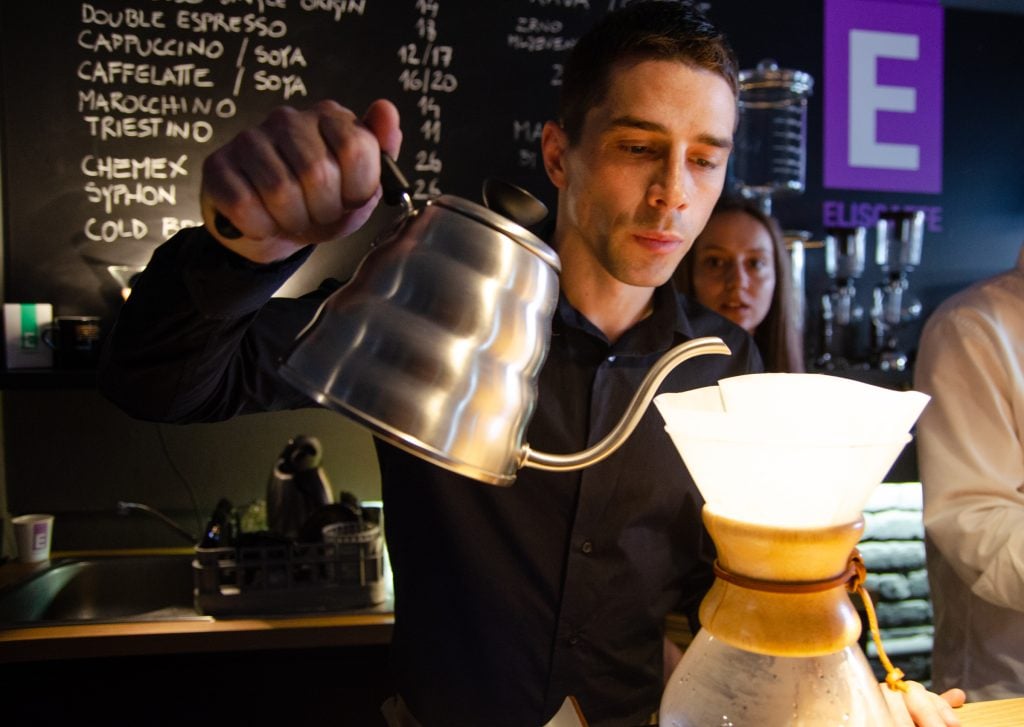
x=970, y=453
x=200, y=335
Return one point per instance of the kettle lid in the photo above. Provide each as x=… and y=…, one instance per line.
x=502, y=224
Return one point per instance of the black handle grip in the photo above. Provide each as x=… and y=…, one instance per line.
x=225, y=228
x=393, y=182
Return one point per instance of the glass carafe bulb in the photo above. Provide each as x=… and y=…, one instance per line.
x=718, y=685
x=778, y=644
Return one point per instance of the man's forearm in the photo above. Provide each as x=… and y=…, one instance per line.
x=174, y=353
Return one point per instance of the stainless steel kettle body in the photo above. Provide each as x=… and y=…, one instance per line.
x=436, y=342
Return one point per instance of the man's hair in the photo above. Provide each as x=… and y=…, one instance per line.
x=671, y=30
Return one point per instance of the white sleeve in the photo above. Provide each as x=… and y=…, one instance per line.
x=970, y=452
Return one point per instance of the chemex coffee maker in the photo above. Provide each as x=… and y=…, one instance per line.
x=778, y=643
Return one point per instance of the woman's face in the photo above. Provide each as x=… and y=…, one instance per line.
x=734, y=268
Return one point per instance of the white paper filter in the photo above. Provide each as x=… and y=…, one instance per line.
x=799, y=450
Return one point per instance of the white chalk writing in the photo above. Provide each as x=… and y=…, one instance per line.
x=337, y=8
x=427, y=72
x=105, y=128
x=132, y=44
x=155, y=73
x=126, y=195
x=129, y=168
x=114, y=230
x=159, y=105
x=120, y=73
x=249, y=24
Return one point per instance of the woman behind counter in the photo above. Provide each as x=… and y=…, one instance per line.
x=739, y=268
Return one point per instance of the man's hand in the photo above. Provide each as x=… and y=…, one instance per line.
x=299, y=178
x=918, y=706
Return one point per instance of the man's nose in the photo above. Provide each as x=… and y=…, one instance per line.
x=671, y=188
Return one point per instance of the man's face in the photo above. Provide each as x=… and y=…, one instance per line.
x=650, y=164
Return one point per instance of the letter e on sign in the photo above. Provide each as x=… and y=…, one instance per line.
x=883, y=95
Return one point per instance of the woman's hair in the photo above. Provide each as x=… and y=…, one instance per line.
x=779, y=337
x=645, y=30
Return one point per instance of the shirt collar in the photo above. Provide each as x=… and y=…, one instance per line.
x=666, y=326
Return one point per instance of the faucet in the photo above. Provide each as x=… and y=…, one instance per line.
x=124, y=508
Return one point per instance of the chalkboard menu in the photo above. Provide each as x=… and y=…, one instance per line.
x=110, y=107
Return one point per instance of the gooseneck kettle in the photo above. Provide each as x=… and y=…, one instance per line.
x=436, y=342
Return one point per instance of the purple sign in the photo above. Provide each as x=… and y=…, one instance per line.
x=883, y=95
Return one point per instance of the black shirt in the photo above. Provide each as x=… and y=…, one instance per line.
x=507, y=599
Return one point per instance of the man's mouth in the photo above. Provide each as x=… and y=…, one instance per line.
x=658, y=241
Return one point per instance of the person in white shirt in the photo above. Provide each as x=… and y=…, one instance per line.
x=971, y=456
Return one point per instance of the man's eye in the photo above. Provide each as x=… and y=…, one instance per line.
x=705, y=163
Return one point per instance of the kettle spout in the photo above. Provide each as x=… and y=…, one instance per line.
x=636, y=409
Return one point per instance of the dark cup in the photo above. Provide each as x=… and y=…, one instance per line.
x=75, y=341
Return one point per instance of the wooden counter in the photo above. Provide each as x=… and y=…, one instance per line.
x=189, y=634
x=202, y=634
x=998, y=713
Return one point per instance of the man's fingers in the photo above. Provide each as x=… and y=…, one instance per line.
x=918, y=706
x=227, y=190
x=357, y=152
x=954, y=697
x=897, y=705
x=304, y=176
x=298, y=141
x=382, y=118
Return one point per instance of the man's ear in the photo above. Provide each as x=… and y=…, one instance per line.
x=553, y=145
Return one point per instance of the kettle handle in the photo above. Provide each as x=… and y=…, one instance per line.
x=393, y=182
x=636, y=409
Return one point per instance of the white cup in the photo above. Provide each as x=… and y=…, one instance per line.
x=33, y=534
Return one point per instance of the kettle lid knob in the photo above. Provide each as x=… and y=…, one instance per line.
x=514, y=202
x=301, y=454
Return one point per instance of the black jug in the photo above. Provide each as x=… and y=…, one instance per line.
x=298, y=486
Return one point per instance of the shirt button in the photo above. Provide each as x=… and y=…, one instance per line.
x=574, y=639
x=587, y=547
x=611, y=359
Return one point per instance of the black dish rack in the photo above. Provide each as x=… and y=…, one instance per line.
x=345, y=572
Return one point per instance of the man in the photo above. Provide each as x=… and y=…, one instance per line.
x=508, y=600
x=971, y=450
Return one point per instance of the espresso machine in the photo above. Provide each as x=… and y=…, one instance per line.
x=897, y=251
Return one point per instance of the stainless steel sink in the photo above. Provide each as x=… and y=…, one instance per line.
x=102, y=589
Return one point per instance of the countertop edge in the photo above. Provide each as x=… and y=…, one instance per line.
x=201, y=634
